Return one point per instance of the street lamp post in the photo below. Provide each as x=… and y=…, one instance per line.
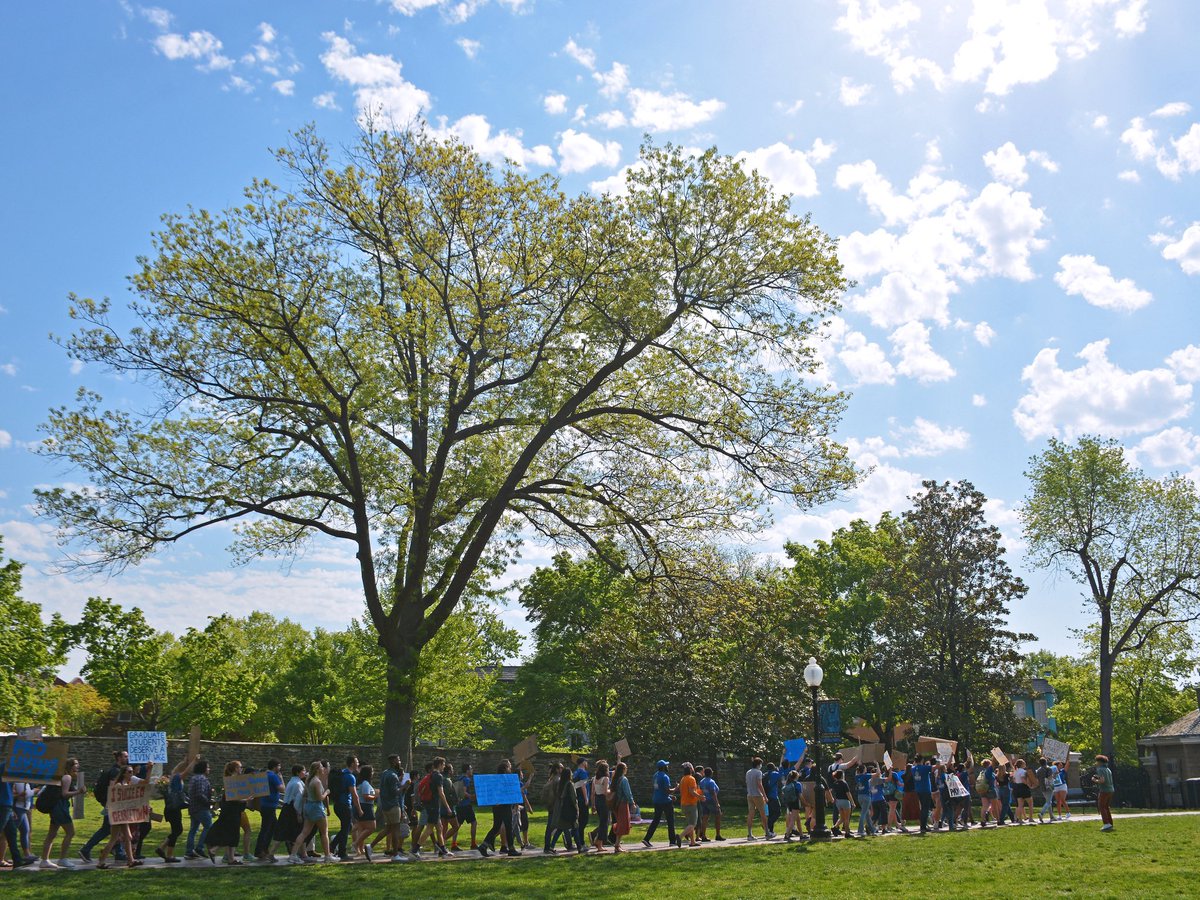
x=813, y=675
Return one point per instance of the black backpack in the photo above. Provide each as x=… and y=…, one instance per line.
x=100, y=788
x=49, y=796
x=336, y=791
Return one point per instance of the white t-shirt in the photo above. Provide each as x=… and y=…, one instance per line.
x=754, y=783
x=1019, y=776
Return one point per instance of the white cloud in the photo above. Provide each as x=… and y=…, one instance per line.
x=925, y=438
x=865, y=360
x=1173, y=448
x=1186, y=363
x=614, y=184
x=582, y=55
x=852, y=94
x=285, y=86
x=984, y=333
x=1006, y=43
x=669, y=112
x=28, y=542
x=469, y=47
x=157, y=16
x=1129, y=175
x=916, y=357
x=76, y=366
x=1100, y=122
x=238, y=83
x=453, y=11
x=1179, y=156
x=1007, y=163
x=978, y=400
x=789, y=109
x=1083, y=276
x=1178, y=108
x=8, y=368
x=476, y=131
x=555, y=104
x=612, y=118
x=614, y=82
x=579, y=151
x=5, y=439
x=201, y=45
x=1097, y=397
x=380, y=89
x=1185, y=249
x=327, y=100
x=789, y=170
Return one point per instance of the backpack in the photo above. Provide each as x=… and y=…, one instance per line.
x=889, y=789
x=789, y=792
x=336, y=790
x=176, y=796
x=981, y=783
x=49, y=796
x=100, y=788
x=424, y=790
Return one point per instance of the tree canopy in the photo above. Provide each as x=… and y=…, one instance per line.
x=421, y=355
x=30, y=648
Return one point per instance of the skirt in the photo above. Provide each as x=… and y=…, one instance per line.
x=621, y=824
x=289, y=826
x=227, y=830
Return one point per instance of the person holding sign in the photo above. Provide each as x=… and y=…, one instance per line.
x=120, y=832
x=58, y=799
x=228, y=827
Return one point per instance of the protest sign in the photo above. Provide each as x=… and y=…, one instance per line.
x=147, y=746
x=998, y=755
x=527, y=749
x=621, y=748
x=36, y=762
x=901, y=732
x=899, y=760
x=32, y=733
x=194, y=742
x=498, y=790
x=793, y=750
x=864, y=734
x=887, y=759
x=928, y=746
x=243, y=787
x=945, y=752
x=77, y=810
x=970, y=760
x=955, y=787
x=1056, y=751
x=127, y=804
x=870, y=753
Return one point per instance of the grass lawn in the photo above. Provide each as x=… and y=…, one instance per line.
x=1143, y=857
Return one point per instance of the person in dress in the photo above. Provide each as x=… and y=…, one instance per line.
x=60, y=818
x=621, y=802
x=228, y=827
x=121, y=833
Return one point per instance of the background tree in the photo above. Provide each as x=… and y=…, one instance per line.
x=954, y=589
x=30, y=650
x=1131, y=540
x=416, y=353
x=79, y=709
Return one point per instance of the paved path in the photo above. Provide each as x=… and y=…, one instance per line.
x=633, y=846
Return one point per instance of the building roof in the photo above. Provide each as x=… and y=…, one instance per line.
x=507, y=674
x=1188, y=726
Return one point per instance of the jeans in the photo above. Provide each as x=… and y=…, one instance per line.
x=772, y=814
x=266, y=831
x=926, y=809
x=337, y=844
x=202, y=820
x=662, y=810
x=864, y=814
x=8, y=826
x=1048, y=806
x=101, y=834
x=502, y=816
x=582, y=824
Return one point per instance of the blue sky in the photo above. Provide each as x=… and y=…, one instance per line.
x=1013, y=183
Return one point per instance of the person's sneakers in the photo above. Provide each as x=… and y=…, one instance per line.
x=1107, y=828
x=646, y=843
x=66, y=864
x=719, y=837
x=771, y=835
x=416, y=852
x=85, y=855
x=512, y=852
x=47, y=864
x=750, y=836
x=294, y=859
x=190, y=856
x=211, y=858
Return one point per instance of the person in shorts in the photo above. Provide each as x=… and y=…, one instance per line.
x=841, y=802
x=464, y=809
x=690, y=796
x=710, y=806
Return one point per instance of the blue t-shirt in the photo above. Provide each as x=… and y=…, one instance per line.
x=662, y=788
x=877, y=791
x=921, y=778
x=864, y=782
x=468, y=783
x=771, y=783
x=709, y=786
x=582, y=774
x=990, y=774
x=349, y=782
x=898, y=778
x=271, y=801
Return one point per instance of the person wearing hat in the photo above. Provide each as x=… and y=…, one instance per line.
x=663, y=806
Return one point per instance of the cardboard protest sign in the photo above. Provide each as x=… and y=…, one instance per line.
x=870, y=753
x=498, y=790
x=32, y=733
x=1056, y=751
x=127, y=804
x=36, y=762
x=901, y=732
x=77, y=810
x=970, y=760
x=244, y=787
x=864, y=734
x=621, y=748
x=928, y=746
x=794, y=750
x=955, y=787
x=527, y=749
x=147, y=746
x=194, y=741
x=945, y=752
x=998, y=755
x=899, y=760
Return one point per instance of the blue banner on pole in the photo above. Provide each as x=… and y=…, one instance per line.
x=829, y=718
x=497, y=790
x=793, y=750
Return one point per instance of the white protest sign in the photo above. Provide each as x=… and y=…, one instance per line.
x=147, y=746
x=955, y=787
x=127, y=803
x=1056, y=751
x=945, y=752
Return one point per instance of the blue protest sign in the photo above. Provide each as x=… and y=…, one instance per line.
x=498, y=790
x=36, y=762
x=793, y=750
x=147, y=746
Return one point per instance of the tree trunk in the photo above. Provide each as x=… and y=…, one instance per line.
x=1106, y=718
x=400, y=705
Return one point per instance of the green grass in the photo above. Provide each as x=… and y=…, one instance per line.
x=1143, y=857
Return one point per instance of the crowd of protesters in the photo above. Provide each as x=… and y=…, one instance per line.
x=324, y=813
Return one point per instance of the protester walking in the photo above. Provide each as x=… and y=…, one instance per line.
x=1105, y=789
x=200, y=805
x=315, y=818
x=621, y=801
x=664, y=806
x=176, y=802
x=756, y=800
x=120, y=833
x=56, y=800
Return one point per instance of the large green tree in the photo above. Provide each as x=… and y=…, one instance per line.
x=30, y=650
x=1132, y=541
x=418, y=354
